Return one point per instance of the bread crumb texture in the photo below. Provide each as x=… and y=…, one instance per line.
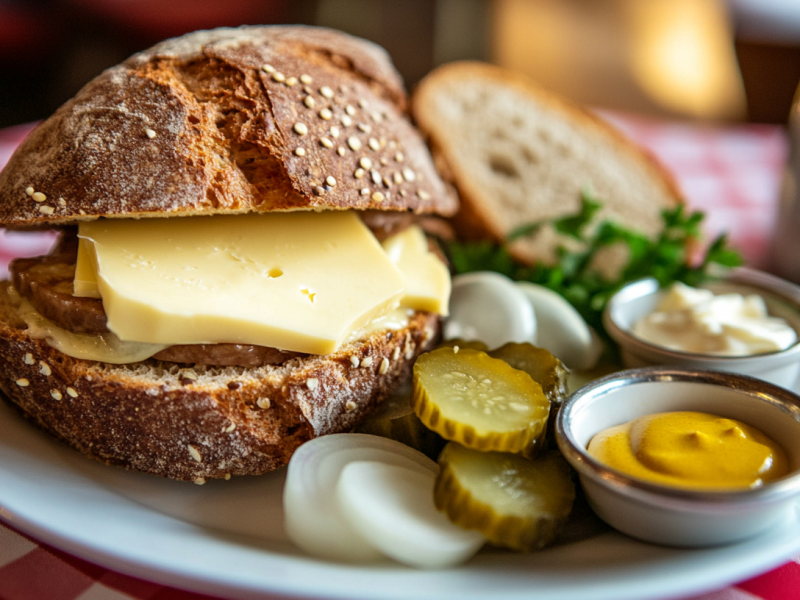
x=228, y=121
x=200, y=422
x=518, y=154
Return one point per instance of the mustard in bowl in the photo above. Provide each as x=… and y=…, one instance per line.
x=687, y=515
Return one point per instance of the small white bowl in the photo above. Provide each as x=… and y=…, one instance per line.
x=675, y=516
x=639, y=298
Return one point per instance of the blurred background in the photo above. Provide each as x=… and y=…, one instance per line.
x=723, y=61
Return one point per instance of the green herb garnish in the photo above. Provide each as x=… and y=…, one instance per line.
x=665, y=258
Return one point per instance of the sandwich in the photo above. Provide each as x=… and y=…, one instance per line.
x=242, y=262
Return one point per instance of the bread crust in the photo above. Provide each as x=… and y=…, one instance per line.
x=228, y=121
x=201, y=423
x=479, y=216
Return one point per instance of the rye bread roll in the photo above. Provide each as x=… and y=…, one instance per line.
x=230, y=121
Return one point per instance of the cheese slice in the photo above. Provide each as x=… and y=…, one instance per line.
x=296, y=281
x=428, y=278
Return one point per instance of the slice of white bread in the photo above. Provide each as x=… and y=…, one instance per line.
x=202, y=422
x=518, y=154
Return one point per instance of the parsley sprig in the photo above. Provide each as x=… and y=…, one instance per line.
x=666, y=258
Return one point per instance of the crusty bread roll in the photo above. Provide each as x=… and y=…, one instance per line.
x=518, y=154
x=255, y=119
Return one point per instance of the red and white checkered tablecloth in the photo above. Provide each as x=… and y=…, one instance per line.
x=733, y=174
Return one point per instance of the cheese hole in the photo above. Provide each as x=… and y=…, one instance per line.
x=274, y=273
x=309, y=294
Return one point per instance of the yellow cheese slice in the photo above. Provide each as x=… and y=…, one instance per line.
x=295, y=281
x=428, y=278
x=85, y=283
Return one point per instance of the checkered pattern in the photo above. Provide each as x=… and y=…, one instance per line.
x=732, y=174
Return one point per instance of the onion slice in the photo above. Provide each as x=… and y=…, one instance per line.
x=392, y=507
x=312, y=517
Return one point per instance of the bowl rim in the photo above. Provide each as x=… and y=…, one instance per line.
x=742, y=275
x=686, y=498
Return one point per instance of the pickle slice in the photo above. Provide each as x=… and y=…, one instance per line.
x=481, y=402
x=544, y=368
x=515, y=502
x=395, y=419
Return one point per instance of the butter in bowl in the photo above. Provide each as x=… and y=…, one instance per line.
x=756, y=333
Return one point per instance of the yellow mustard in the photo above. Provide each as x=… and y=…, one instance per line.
x=691, y=449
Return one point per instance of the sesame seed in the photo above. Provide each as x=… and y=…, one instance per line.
x=62, y=202
x=319, y=191
x=398, y=179
x=46, y=209
x=350, y=110
x=300, y=128
x=267, y=68
x=384, y=162
x=326, y=142
x=399, y=157
x=374, y=144
x=227, y=476
x=278, y=76
x=363, y=103
x=331, y=181
x=150, y=133
x=365, y=191
x=455, y=349
x=376, y=177
x=38, y=197
x=326, y=114
x=28, y=359
x=230, y=428
x=423, y=195
x=354, y=143
x=312, y=383
x=72, y=392
x=200, y=481
x=403, y=193
x=56, y=394
x=341, y=151
x=384, y=366
x=346, y=121
x=306, y=79
x=189, y=375
x=300, y=151
x=365, y=163
x=290, y=81
x=343, y=88
x=23, y=382
x=350, y=406
x=409, y=174
x=309, y=102
x=366, y=362
x=387, y=182
x=359, y=173
x=354, y=361
x=194, y=453
x=44, y=369
x=326, y=91
x=364, y=127
x=378, y=197
x=29, y=190
x=396, y=353
x=263, y=403
x=335, y=132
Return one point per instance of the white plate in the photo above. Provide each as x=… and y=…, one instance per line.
x=227, y=539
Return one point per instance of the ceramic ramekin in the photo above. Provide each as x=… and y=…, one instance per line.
x=637, y=299
x=674, y=516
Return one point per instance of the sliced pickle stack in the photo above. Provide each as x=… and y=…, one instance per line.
x=394, y=419
x=515, y=502
x=481, y=402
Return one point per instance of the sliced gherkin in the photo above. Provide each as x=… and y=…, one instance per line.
x=394, y=419
x=481, y=402
x=540, y=364
x=515, y=502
